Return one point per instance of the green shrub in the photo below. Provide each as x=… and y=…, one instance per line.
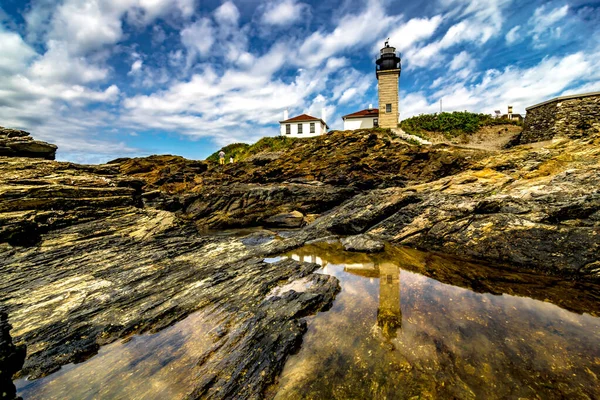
x=241, y=151
x=452, y=124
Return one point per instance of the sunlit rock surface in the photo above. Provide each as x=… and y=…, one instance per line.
x=93, y=255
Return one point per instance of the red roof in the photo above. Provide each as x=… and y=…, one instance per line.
x=373, y=112
x=303, y=117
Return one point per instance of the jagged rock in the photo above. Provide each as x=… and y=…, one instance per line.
x=12, y=133
x=16, y=143
x=94, y=233
x=362, y=243
x=242, y=205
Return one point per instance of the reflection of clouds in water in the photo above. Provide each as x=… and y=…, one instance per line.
x=453, y=342
x=158, y=366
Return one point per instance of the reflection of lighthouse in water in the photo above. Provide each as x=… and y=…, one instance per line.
x=389, y=313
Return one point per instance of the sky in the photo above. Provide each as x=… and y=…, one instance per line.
x=120, y=78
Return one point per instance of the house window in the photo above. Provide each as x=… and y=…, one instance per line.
x=299, y=128
x=312, y=127
x=288, y=129
x=388, y=108
x=375, y=122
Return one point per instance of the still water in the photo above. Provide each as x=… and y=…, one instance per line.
x=405, y=325
x=395, y=333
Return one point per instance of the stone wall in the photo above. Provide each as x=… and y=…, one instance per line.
x=574, y=116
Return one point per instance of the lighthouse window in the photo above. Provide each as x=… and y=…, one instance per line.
x=288, y=129
x=388, y=108
x=299, y=128
x=312, y=127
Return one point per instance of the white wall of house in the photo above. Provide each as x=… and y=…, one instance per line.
x=351, y=124
x=320, y=129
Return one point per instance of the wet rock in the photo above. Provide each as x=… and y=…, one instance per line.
x=141, y=270
x=294, y=219
x=362, y=243
x=11, y=359
x=257, y=351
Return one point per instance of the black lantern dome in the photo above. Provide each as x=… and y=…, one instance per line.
x=388, y=59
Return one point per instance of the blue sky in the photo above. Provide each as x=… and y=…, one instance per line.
x=112, y=78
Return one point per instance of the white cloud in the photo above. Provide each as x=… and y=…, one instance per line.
x=198, y=38
x=348, y=95
x=86, y=25
x=285, y=12
x=513, y=35
x=16, y=54
x=236, y=105
x=481, y=20
x=461, y=60
x=411, y=32
x=543, y=18
x=520, y=87
x=543, y=23
x=136, y=67
x=57, y=65
x=352, y=31
x=227, y=13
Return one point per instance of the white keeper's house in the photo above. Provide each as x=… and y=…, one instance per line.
x=303, y=125
x=362, y=119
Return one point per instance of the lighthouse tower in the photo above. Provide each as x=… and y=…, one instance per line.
x=388, y=74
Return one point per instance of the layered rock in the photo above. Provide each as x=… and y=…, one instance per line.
x=311, y=177
x=37, y=196
x=139, y=271
x=535, y=208
x=118, y=249
x=17, y=143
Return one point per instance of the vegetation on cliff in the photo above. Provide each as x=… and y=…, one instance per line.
x=451, y=125
x=241, y=151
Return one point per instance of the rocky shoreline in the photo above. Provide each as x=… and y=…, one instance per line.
x=92, y=254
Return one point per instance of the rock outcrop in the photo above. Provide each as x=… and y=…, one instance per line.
x=37, y=196
x=16, y=143
x=92, y=254
x=535, y=208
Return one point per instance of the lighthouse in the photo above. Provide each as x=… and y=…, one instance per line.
x=388, y=66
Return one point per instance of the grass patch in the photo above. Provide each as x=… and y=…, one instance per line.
x=241, y=151
x=451, y=125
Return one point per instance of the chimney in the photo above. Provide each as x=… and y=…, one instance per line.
x=285, y=114
x=324, y=114
x=370, y=106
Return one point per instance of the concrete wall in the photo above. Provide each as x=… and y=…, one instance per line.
x=572, y=116
x=319, y=129
x=388, y=94
x=351, y=124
